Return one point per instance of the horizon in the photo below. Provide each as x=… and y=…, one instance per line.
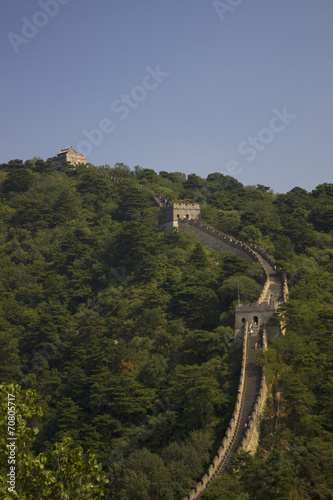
x=89, y=165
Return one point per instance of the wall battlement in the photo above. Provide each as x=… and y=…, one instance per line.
x=186, y=206
x=250, y=322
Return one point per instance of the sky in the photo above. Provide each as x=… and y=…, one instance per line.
x=239, y=87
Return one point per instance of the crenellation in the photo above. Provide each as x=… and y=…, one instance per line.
x=172, y=213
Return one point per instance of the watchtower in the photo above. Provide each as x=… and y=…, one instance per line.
x=71, y=156
x=257, y=314
x=171, y=214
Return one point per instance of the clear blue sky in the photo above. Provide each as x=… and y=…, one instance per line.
x=88, y=64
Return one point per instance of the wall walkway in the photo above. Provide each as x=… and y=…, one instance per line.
x=244, y=427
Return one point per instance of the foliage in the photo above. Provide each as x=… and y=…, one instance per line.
x=63, y=471
x=120, y=332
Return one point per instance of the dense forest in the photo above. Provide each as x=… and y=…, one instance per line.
x=116, y=337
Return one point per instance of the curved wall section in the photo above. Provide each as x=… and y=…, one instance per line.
x=244, y=427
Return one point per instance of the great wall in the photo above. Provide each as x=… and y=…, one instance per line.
x=243, y=432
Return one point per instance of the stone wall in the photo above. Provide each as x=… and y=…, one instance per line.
x=250, y=441
x=249, y=312
x=285, y=288
x=283, y=324
x=217, y=240
x=227, y=441
x=262, y=252
x=223, y=242
x=262, y=310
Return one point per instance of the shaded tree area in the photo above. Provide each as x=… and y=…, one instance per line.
x=118, y=328
x=123, y=331
x=63, y=471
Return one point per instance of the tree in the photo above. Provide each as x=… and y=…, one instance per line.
x=232, y=264
x=199, y=346
x=323, y=191
x=10, y=365
x=299, y=231
x=65, y=471
x=194, y=182
x=284, y=249
x=133, y=202
x=121, y=170
x=17, y=181
x=229, y=221
x=243, y=287
x=196, y=389
x=322, y=217
x=251, y=234
x=146, y=477
x=226, y=487
x=146, y=175
x=120, y=395
x=93, y=186
x=185, y=460
x=199, y=257
x=197, y=304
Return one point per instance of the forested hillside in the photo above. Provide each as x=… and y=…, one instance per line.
x=119, y=334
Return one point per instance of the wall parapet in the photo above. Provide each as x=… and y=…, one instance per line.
x=230, y=433
x=194, y=206
x=230, y=240
x=248, y=248
x=262, y=252
x=266, y=308
x=237, y=243
x=265, y=288
x=262, y=306
x=250, y=440
x=285, y=287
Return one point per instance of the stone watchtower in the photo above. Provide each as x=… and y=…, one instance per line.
x=171, y=214
x=71, y=156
